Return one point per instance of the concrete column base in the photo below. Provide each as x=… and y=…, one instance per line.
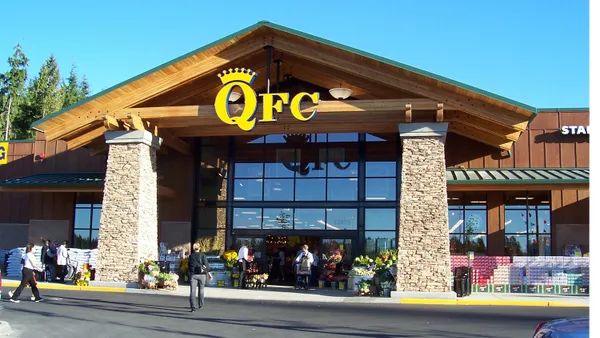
x=423, y=295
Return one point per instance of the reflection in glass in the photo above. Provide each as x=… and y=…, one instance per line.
x=96, y=213
x=515, y=245
x=342, y=162
x=275, y=138
x=378, y=241
x=532, y=220
x=83, y=217
x=380, y=169
x=312, y=161
x=476, y=220
x=341, y=219
x=81, y=239
x=515, y=220
x=457, y=244
x=94, y=241
x=276, y=218
x=279, y=189
x=455, y=220
x=373, y=138
x=380, y=189
x=380, y=219
x=545, y=245
x=248, y=170
x=342, y=189
x=544, y=219
x=247, y=218
x=476, y=243
x=248, y=189
x=328, y=246
x=279, y=163
x=310, y=190
x=309, y=219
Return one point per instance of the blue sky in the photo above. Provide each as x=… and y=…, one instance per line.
x=535, y=52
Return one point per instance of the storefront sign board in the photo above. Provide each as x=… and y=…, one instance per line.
x=243, y=78
x=575, y=130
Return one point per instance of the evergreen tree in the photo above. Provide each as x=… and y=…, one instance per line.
x=84, y=88
x=44, y=96
x=71, y=89
x=12, y=85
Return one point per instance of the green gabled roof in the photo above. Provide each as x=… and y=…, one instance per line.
x=519, y=176
x=56, y=180
x=302, y=35
x=580, y=109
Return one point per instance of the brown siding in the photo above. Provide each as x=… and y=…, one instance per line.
x=175, y=171
x=570, y=219
x=495, y=222
x=542, y=145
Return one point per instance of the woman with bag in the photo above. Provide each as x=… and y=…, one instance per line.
x=28, y=277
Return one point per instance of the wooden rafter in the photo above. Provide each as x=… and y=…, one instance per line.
x=390, y=77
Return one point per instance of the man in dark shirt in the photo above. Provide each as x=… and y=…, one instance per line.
x=199, y=272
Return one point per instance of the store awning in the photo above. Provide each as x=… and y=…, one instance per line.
x=64, y=182
x=518, y=179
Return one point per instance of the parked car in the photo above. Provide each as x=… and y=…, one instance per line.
x=564, y=328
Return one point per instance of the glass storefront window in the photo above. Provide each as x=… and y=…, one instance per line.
x=341, y=219
x=86, y=222
x=328, y=245
x=248, y=189
x=247, y=218
x=248, y=170
x=342, y=137
x=381, y=169
x=380, y=189
x=467, y=222
x=309, y=219
x=342, y=161
x=312, y=161
x=527, y=224
x=279, y=189
x=276, y=218
x=380, y=219
x=310, y=190
x=378, y=241
x=280, y=162
x=342, y=189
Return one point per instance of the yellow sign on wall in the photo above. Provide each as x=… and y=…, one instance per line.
x=272, y=102
x=3, y=153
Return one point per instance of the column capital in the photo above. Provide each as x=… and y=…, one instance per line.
x=433, y=129
x=131, y=137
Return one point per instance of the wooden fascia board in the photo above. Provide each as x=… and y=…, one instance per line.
x=469, y=105
x=86, y=138
x=145, y=92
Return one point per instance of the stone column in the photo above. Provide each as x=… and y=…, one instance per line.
x=129, y=221
x=423, y=242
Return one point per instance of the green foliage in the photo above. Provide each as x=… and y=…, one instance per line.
x=31, y=100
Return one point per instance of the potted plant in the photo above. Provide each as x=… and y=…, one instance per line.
x=363, y=288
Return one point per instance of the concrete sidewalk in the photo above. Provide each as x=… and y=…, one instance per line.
x=326, y=295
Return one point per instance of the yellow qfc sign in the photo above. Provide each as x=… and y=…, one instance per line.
x=3, y=153
x=272, y=102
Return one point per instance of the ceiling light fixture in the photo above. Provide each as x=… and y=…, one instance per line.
x=340, y=93
x=234, y=96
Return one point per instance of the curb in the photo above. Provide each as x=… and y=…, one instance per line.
x=49, y=286
x=478, y=302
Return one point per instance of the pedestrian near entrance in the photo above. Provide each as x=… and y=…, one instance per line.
x=62, y=258
x=199, y=277
x=28, y=276
x=243, y=262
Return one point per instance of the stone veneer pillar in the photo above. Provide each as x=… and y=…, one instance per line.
x=423, y=243
x=129, y=221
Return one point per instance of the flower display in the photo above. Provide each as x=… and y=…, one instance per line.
x=146, y=267
x=82, y=278
x=230, y=257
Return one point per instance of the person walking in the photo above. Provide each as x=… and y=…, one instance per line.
x=28, y=277
x=62, y=257
x=199, y=271
x=243, y=262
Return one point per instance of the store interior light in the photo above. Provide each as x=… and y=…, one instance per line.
x=478, y=202
x=234, y=96
x=523, y=198
x=340, y=93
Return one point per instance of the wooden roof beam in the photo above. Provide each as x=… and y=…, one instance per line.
x=169, y=140
x=480, y=136
x=390, y=77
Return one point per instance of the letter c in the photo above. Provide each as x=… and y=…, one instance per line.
x=246, y=121
x=295, y=106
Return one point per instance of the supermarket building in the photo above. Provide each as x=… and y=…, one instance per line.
x=271, y=134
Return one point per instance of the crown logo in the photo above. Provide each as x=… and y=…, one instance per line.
x=238, y=74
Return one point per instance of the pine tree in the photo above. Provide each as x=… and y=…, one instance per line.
x=84, y=88
x=44, y=96
x=71, y=89
x=12, y=85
